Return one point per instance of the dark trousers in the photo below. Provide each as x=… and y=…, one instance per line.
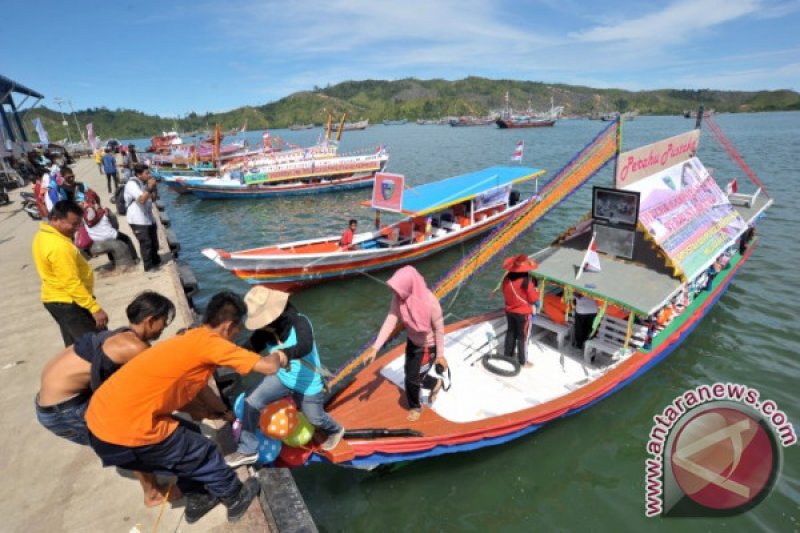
x=72, y=319
x=187, y=454
x=517, y=336
x=129, y=243
x=112, y=176
x=583, y=328
x=419, y=360
x=148, y=244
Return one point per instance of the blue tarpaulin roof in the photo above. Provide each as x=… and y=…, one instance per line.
x=444, y=193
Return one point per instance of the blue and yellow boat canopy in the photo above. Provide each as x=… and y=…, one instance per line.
x=438, y=195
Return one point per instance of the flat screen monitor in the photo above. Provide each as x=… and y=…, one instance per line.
x=615, y=207
x=614, y=240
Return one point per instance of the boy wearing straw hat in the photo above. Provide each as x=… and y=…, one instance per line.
x=279, y=328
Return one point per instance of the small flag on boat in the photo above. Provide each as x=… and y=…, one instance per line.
x=517, y=156
x=732, y=187
x=591, y=261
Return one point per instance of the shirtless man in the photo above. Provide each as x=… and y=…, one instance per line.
x=70, y=378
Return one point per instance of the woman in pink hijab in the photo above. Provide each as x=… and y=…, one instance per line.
x=419, y=311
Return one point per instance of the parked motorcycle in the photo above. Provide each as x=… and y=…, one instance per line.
x=29, y=205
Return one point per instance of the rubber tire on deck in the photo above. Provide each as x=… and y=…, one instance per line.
x=500, y=371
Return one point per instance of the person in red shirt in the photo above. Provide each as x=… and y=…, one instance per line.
x=519, y=293
x=346, y=242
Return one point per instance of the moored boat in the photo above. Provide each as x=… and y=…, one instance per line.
x=439, y=215
x=529, y=119
x=287, y=178
x=669, y=242
x=395, y=122
x=469, y=121
x=352, y=126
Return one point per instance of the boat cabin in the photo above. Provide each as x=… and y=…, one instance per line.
x=438, y=208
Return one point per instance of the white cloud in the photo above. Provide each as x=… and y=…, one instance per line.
x=676, y=23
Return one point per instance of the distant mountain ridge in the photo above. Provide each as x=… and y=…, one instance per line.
x=413, y=99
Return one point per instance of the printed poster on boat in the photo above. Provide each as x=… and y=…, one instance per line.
x=645, y=161
x=387, y=193
x=688, y=215
x=496, y=196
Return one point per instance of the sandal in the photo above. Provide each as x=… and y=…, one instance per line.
x=414, y=414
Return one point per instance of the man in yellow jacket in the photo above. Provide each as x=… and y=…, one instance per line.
x=67, y=278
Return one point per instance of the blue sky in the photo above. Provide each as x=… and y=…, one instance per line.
x=171, y=58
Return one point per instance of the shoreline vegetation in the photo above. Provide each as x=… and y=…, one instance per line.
x=378, y=100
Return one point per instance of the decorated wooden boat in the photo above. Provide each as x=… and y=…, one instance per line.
x=439, y=215
x=669, y=242
x=287, y=178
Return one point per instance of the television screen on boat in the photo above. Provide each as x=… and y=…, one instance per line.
x=615, y=206
x=614, y=240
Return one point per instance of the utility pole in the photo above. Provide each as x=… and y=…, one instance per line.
x=77, y=124
x=59, y=102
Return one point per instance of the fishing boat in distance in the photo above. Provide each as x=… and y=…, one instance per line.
x=469, y=121
x=395, y=122
x=352, y=126
x=438, y=215
x=529, y=119
x=665, y=243
x=298, y=127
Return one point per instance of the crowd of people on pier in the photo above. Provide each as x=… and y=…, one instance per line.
x=120, y=395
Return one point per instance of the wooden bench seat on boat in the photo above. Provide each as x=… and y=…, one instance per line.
x=610, y=338
x=561, y=330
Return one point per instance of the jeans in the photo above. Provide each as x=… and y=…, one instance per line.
x=269, y=390
x=66, y=419
x=186, y=453
x=148, y=244
x=419, y=360
x=583, y=328
x=112, y=176
x=517, y=336
x=72, y=319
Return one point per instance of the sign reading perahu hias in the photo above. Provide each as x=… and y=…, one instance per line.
x=647, y=160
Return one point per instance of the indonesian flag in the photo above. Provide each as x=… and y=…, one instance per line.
x=732, y=187
x=267, y=140
x=591, y=261
x=517, y=155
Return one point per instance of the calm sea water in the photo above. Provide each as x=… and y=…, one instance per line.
x=585, y=472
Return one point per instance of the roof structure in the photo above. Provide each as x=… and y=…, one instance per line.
x=447, y=192
x=8, y=86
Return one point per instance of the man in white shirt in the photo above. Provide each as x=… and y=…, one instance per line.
x=585, y=313
x=138, y=195
x=103, y=233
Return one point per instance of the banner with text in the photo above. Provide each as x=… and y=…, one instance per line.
x=688, y=215
x=498, y=195
x=647, y=160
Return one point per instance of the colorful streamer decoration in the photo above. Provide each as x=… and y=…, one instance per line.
x=594, y=156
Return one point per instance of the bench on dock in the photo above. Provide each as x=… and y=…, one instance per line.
x=610, y=338
x=561, y=330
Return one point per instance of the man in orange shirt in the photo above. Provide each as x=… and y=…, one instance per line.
x=130, y=416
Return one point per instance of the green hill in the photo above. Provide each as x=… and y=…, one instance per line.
x=410, y=98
